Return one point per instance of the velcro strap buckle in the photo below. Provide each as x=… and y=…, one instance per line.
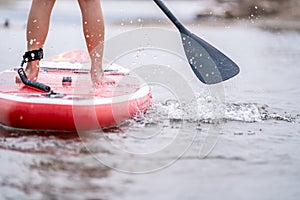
x=33, y=55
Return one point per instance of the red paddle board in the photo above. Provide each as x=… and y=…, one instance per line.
x=73, y=104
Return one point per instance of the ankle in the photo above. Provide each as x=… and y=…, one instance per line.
x=32, y=57
x=33, y=64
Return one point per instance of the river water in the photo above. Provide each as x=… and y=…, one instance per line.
x=242, y=147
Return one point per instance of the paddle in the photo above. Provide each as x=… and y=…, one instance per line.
x=208, y=64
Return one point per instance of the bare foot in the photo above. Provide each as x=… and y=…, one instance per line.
x=32, y=71
x=99, y=79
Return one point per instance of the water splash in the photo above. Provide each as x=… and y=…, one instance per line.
x=267, y=114
x=210, y=112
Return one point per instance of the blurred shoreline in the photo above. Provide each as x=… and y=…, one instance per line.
x=265, y=14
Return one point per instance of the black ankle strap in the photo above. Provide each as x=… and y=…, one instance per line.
x=32, y=56
x=28, y=57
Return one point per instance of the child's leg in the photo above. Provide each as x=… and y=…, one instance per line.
x=37, y=30
x=93, y=29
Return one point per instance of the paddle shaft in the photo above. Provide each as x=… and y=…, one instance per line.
x=169, y=14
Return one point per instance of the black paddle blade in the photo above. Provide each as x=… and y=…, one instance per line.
x=209, y=64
